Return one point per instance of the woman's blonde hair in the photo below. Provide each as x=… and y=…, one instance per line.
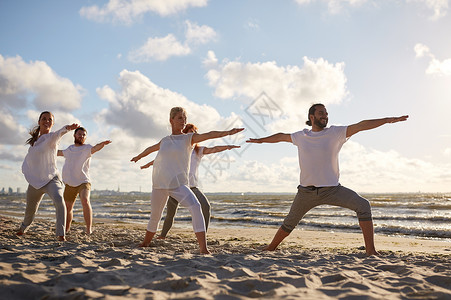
x=175, y=111
x=35, y=131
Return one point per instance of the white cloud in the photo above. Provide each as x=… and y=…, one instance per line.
x=196, y=34
x=252, y=24
x=435, y=66
x=159, y=49
x=335, y=6
x=439, y=7
x=422, y=50
x=128, y=11
x=370, y=170
x=447, y=151
x=141, y=108
x=20, y=80
x=293, y=88
x=11, y=129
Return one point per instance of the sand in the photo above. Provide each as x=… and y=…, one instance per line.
x=308, y=265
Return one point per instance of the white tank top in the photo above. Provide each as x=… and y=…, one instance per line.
x=170, y=169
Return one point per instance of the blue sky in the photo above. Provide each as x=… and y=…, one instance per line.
x=117, y=67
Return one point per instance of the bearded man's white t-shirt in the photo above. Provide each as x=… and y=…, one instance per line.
x=76, y=166
x=318, y=155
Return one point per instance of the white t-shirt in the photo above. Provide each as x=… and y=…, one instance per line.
x=194, y=167
x=170, y=168
x=39, y=165
x=76, y=166
x=318, y=155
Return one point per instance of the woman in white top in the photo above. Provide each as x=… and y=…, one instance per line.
x=40, y=171
x=196, y=157
x=170, y=175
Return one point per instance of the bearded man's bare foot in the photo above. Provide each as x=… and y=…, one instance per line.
x=375, y=253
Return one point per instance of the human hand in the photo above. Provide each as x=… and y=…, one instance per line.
x=229, y=147
x=256, y=141
x=398, y=119
x=72, y=126
x=235, y=130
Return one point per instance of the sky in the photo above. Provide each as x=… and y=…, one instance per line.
x=118, y=66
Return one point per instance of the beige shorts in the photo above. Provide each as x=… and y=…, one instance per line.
x=70, y=192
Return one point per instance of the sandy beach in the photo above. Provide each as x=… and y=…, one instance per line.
x=308, y=265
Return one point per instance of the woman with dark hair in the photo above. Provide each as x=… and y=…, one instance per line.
x=40, y=171
x=170, y=175
x=196, y=156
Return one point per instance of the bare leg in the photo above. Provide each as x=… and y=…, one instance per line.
x=202, y=240
x=368, y=236
x=147, y=239
x=70, y=214
x=277, y=239
x=87, y=209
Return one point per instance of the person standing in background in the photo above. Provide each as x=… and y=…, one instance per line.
x=76, y=176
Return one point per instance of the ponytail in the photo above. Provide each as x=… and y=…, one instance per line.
x=34, y=135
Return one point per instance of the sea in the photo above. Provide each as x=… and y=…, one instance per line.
x=413, y=215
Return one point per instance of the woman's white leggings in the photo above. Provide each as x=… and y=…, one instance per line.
x=185, y=197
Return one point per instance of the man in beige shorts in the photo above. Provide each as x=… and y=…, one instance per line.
x=76, y=176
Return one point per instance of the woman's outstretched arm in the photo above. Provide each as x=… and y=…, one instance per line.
x=200, y=137
x=146, y=152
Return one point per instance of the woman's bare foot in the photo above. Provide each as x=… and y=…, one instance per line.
x=20, y=232
x=268, y=248
x=204, y=251
x=160, y=237
x=143, y=244
x=61, y=238
x=147, y=239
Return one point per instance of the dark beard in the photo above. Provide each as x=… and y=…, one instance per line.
x=318, y=123
x=77, y=142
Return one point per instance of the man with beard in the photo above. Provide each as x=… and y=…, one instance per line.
x=318, y=151
x=76, y=176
